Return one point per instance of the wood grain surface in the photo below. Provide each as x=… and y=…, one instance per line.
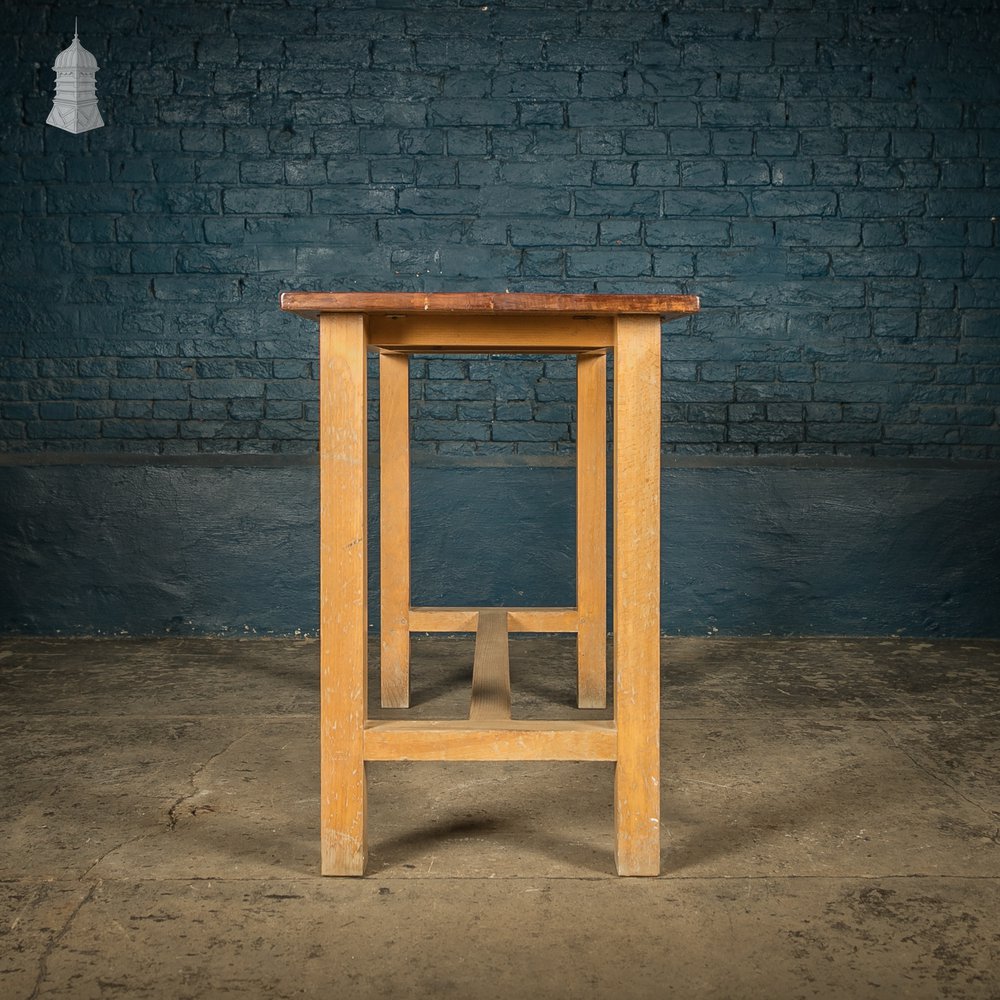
x=311, y=304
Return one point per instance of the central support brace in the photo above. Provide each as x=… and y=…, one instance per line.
x=491, y=669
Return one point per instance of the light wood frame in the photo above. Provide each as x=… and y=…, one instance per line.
x=349, y=329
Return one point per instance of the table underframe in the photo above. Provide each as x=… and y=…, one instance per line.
x=349, y=739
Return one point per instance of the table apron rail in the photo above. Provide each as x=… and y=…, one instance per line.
x=518, y=619
x=490, y=739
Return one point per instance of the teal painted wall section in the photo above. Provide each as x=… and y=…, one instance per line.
x=150, y=549
x=823, y=173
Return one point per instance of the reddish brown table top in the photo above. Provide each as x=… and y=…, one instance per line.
x=311, y=304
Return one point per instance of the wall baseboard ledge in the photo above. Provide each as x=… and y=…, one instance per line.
x=428, y=461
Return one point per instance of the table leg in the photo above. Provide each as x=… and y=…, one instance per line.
x=343, y=592
x=637, y=593
x=591, y=529
x=394, y=516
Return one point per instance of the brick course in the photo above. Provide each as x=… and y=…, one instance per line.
x=824, y=174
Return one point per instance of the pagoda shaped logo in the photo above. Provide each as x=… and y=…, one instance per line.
x=75, y=106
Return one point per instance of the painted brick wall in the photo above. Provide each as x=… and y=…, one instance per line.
x=824, y=173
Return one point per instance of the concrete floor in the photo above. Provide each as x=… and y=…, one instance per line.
x=831, y=817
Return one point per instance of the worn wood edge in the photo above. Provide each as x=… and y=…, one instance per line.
x=461, y=739
x=311, y=304
x=491, y=667
x=518, y=619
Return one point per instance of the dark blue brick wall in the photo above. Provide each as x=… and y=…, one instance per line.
x=824, y=173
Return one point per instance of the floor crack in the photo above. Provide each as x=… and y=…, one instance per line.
x=173, y=811
x=56, y=939
x=110, y=851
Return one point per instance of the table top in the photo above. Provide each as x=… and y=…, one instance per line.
x=311, y=304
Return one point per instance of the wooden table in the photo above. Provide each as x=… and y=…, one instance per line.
x=399, y=324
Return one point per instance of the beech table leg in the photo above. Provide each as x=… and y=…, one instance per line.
x=394, y=503
x=637, y=593
x=591, y=529
x=343, y=592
